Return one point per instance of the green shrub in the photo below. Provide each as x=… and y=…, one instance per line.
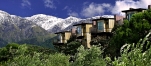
x=12, y=46
x=71, y=47
x=89, y=57
x=135, y=54
x=39, y=59
x=11, y=50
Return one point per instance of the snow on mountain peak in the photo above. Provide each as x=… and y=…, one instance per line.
x=55, y=24
x=50, y=23
x=6, y=17
x=3, y=12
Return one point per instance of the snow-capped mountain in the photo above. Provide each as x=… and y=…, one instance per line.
x=50, y=23
x=17, y=29
x=6, y=18
x=53, y=24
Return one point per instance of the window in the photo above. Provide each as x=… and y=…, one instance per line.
x=79, y=30
x=129, y=16
x=59, y=36
x=100, y=25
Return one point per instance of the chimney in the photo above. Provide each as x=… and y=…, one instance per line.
x=118, y=17
x=149, y=6
x=131, y=8
x=73, y=30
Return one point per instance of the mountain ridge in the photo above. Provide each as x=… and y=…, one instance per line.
x=51, y=23
x=17, y=29
x=54, y=24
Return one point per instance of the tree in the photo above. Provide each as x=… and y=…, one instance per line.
x=39, y=59
x=89, y=57
x=11, y=51
x=130, y=32
x=134, y=55
x=71, y=47
x=29, y=55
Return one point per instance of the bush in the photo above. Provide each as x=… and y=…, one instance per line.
x=11, y=50
x=135, y=54
x=39, y=59
x=89, y=57
x=130, y=32
x=12, y=46
x=25, y=55
x=71, y=48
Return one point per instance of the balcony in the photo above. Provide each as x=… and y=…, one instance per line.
x=80, y=36
x=108, y=30
x=95, y=30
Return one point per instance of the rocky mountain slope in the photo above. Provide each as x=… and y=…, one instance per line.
x=53, y=24
x=16, y=29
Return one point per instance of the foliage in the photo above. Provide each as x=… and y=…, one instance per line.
x=99, y=41
x=28, y=55
x=102, y=41
x=71, y=48
x=33, y=48
x=13, y=49
x=39, y=59
x=72, y=38
x=89, y=57
x=12, y=46
x=134, y=55
x=131, y=31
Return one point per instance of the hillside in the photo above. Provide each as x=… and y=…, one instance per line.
x=16, y=29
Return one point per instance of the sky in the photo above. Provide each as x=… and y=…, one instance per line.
x=66, y=8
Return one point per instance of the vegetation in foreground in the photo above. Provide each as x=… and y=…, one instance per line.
x=131, y=55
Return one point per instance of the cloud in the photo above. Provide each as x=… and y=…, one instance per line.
x=73, y=14
x=70, y=12
x=49, y=4
x=25, y=3
x=106, y=5
x=126, y=4
x=66, y=8
x=94, y=9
